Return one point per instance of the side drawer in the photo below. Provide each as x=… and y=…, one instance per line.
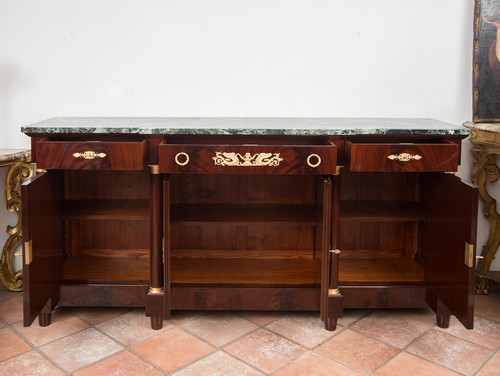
x=248, y=159
x=90, y=155
x=402, y=157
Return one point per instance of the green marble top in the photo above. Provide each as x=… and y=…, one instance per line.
x=244, y=126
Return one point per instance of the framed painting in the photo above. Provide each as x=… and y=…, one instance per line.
x=486, y=82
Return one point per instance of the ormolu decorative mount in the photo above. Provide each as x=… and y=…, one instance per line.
x=236, y=159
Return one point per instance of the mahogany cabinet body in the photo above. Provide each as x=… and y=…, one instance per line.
x=200, y=222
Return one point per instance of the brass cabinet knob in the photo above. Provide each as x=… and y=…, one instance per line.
x=185, y=156
x=313, y=160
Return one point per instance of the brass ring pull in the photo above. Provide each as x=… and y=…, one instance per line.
x=318, y=160
x=404, y=157
x=186, y=161
x=89, y=155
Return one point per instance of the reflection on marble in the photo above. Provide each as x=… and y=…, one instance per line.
x=9, y=155
x=245, y=126
x=490, y=127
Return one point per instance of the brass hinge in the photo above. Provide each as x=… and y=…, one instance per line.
x=163, y=249
x=336, y=251
x=337, y=170
x=469, y=255
x=28, y=252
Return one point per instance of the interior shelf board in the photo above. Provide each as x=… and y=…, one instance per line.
x=107, y=209
x=244, y=271
x=390, y=211
x=246, y=214
x=244, y=253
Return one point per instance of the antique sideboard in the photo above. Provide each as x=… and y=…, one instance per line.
x=248, y=214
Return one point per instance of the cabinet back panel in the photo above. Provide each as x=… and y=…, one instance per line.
x=243, y=189
x=107, y=185
x=369, y=186
x=253, y=237
x=379, y=239
x=108, y=234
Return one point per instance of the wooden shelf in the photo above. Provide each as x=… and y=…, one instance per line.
x=380, y=270
x=107, y=209
x=106, y=269
x=246, y=214
x=245, y=272
x=388, y=211
x=260, y=254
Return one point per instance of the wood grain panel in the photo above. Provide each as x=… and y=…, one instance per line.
x=402, y=296
x=111, y=155
x=42, y=227
x=107, y=269
x=451, y=207
x=245, y=271
x=243, y=189
x=424, y=157
x=288, y=159
x=245, y=298
x=95, y=295
x=107, y=185
x=380, y=270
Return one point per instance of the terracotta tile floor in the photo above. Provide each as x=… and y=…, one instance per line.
x=117, y=341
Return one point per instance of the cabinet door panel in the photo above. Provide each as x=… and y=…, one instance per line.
x=42, y=210
x=451, y=208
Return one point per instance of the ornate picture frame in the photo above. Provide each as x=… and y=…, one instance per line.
x=486, y=82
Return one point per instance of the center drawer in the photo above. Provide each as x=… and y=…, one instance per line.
x=248, y=159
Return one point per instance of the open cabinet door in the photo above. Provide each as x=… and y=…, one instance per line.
x=448, y=246
x=43, y=240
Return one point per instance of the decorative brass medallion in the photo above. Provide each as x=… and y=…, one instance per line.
x=89, y=155
x=404, y=157
x=236, y=159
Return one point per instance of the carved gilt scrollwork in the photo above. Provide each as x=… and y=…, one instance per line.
x=18, y=172
x=485, y=170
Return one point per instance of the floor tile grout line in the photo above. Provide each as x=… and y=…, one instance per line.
x=258, y=326
x=405, y=349
x=222, y=347
x=402, y=350
x=33, y=347
x=486, y=361
x=323, y=356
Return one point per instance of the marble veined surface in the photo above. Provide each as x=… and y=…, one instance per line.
x=9, y=155
x=245, y=126
x=490, y=127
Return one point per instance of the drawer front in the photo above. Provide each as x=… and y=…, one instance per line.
x=91, y=155
x=404, y=157
x=248, y=159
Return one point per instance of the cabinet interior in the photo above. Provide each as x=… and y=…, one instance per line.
x=381, y=216
x=106, y=226
x=246, y=229
x=243, y=229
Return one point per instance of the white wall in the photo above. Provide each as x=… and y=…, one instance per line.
x=332, y=58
